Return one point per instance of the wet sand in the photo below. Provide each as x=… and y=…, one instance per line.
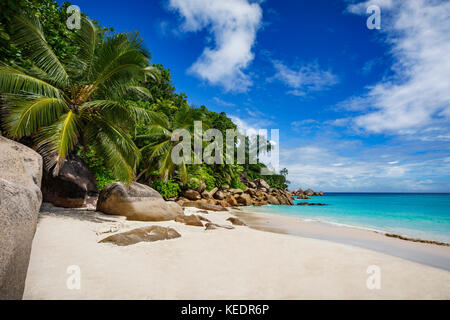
x=426, y=253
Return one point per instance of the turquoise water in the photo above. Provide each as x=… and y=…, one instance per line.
x=425, y=216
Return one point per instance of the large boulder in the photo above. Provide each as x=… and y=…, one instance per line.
x=261, y=183
x=74, y=187
x=251, y=185
x=219, y=195
x=231, y=200
x=236, y=191
x=244, y=200
x=272, y=200
x=136, y=202
x=192, y=195
x=20, y=200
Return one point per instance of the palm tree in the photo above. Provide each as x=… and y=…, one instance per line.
x=81, y=101
x=157, y=153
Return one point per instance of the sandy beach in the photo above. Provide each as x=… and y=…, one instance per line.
x=242, y=263
x=426, y=253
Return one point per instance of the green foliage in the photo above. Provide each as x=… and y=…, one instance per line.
x=96, y=163
x=62, y=98
x=204, y=174
x=167, y=189
x=194, y=183
x=237, y=184
x=276, y=181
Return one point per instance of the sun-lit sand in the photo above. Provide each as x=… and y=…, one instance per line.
x=216, y=264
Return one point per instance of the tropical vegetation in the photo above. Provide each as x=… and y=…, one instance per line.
x=94, y=92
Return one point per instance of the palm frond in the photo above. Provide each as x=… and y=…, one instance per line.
x=142, y=91
x=157, y=149
x=58, y=140
x=117, y=148
x=30, y=36
x=13, y=81
x=26, y=115
x=88, y=39
x=119, y=59
x=152, y=74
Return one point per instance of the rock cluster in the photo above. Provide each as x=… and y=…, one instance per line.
x=310, y=204
x=258, y=193
x=306, y=194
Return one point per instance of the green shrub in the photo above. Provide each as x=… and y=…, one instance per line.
x=166, y=190
x=97, y=166
x=194, y=183
x=237, y=184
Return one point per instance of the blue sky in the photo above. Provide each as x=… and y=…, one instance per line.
x=357, y=109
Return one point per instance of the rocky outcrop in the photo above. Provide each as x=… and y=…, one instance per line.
x=258, y=193
x=20, y=200
x=74, y=187
x=306, y=194
x=310, y=204
x=147, y=234
x=261, y=183
x=136, y=202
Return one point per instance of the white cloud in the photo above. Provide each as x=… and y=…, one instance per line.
x=309, y=77
x=223, y=103
x=234, y=24
x=328, y=168
x=361, y=7
x=418, y=94
x=244, y=127
x=251, y=126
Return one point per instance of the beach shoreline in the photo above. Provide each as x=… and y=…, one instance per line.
x=242, y=263
x=429, y=252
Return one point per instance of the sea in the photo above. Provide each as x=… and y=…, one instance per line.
x=416, y=215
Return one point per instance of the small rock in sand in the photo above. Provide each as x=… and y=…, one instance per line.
x=192, y=220
x=147, y=234
x=236, y=221
x=212, y=226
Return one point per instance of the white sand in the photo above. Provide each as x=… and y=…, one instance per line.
x=218, y=264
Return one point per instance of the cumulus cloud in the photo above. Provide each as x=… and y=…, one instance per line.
x=234, y=25
x=418, y=94
x=309, y=77
x=251, y=126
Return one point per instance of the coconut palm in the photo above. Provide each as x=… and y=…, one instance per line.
x=157, y=153
x=62, y=105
